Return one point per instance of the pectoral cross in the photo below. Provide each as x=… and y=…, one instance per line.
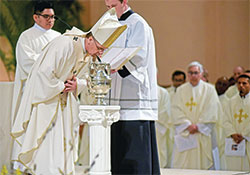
x=240, y=116
x=191, y=104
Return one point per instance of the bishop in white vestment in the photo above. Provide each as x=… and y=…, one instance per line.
x=46, y=125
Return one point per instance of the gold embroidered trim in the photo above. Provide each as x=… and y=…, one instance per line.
x=114, y=36
x=39, y=141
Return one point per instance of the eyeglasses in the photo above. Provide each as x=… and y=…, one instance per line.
x=47, y=17
x=193, y=73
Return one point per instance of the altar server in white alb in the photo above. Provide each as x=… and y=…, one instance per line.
x=46, y=125
x=194, y=114
x=134, y=88
x=236, y=127
x=30, y=45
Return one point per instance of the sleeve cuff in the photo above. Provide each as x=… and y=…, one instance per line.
x=81, y=84
x=204, y=129
x=182, y=127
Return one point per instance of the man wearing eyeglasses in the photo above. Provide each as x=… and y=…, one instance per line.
x=178, y=78
x=194, y=115
x=28, y=48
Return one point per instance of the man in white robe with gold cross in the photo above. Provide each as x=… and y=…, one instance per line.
x=194, y=114
x=236, y=126
x=46, y=125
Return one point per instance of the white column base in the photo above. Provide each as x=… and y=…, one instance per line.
x=99, y=119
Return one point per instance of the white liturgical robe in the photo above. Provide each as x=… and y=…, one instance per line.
x=46, y=125
x=237, y=121
x=232, y=91
x=171, y=90
x=29, y=46
x=220, y=131
x=137, y=93
x=162, y=126
x=194, y=105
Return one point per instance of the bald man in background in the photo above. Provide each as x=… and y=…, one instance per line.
x=233, y=90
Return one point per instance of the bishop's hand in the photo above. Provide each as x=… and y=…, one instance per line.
x=70, y=85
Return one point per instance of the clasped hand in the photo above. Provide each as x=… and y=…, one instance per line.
x=193, y=129
x=237, y=138
x=70, y=85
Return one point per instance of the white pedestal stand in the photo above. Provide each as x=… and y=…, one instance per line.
x=99, y=119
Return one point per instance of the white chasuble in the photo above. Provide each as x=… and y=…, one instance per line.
x=237, y=120
x=29, y=46
x=194, y=105
x=46, y=126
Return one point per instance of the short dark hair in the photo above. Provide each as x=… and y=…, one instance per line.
x=244, y=76
x=178, y=72
x=40, y=5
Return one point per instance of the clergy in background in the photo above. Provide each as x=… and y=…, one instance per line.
x=221, y=86
x=233, y=90
x=178, y=78
x=236, y=126
x=162, y=125
x=46, y=125
x=194, y=114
